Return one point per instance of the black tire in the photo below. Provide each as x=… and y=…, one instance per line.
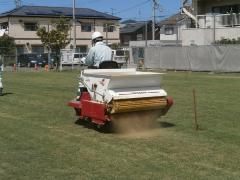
x=106, y=128
x=1, y=91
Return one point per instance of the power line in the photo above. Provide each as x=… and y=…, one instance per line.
x=133, y=7
x=112, y=10
x=18, y=3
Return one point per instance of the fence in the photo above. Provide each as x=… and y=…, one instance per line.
x=218, y=20
x=194, y=58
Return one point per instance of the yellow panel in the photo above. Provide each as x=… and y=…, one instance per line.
x=129, y=105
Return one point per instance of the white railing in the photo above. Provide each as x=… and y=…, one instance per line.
x=218, y=20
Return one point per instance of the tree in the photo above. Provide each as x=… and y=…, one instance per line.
x=7, y=46
x=57, y=38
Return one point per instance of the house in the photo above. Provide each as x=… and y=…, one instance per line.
x=137, y=31
x=215, y=19
x=170, y=28
x=22, y=23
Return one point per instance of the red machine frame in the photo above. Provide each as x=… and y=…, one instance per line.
x=97, y=111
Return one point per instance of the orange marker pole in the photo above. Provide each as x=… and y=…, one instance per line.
x=14, y=67
x=36, y=67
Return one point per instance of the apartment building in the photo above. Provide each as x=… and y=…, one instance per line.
x=215, y=19
x=22, y=23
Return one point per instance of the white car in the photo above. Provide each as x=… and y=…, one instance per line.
x=120, y=56
x=83, y=60
x=79, y=58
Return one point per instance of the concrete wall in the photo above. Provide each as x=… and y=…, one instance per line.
x=206, y=36
x=227, y=33
x=144, y=43
x=196, y=36
x=172, y=37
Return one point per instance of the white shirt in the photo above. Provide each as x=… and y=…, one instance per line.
x=98, y=53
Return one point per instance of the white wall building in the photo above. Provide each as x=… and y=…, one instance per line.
x=216, y=20
x=23, y=22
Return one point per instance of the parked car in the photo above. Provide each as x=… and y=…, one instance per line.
x=53, y=58
x=30, y=60
x=82, y=58
x=41, y=61
x=120, y=56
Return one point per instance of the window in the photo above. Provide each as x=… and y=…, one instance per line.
x=86, y=27
x=38, y=49
x=126, y=39
x=169, y=31
x=20, y=49
x=108, y=28
x=4, y=25
x=30, y=26
x=139, y=37
x=226, y=9
x=76, y=56
x=119, y=52
x=81, y=49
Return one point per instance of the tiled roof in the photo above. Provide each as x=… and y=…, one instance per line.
x=45, y=11
x=174, y=19
x=132, y=27
x=128, y=21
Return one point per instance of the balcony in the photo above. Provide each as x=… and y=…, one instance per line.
x=212, y=28
x=218, y=20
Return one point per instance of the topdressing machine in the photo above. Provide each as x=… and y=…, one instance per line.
x=107, y=93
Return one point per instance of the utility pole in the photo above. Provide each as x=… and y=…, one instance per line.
x=146, y=33
x=106, y=27
x=18, y=3
x=154, y=7
x=112, y=10
x=74, y=26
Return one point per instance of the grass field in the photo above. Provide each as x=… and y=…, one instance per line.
x=39, y=139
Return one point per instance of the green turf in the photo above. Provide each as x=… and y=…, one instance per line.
x=39, y=140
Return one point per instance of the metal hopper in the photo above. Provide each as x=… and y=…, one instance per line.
x=107, y=92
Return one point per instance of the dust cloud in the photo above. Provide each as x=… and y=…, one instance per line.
x=136, y=124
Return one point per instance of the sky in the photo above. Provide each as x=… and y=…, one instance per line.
x=125, y=9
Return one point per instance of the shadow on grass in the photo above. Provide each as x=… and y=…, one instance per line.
x=89, y=125
x=108, y=128
x=164, y=124
x=5, y=94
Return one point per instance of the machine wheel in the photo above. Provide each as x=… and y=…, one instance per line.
x=1, y=91
x=80, y=121
x=106, y=128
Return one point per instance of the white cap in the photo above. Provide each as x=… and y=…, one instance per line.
x=96, y=35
